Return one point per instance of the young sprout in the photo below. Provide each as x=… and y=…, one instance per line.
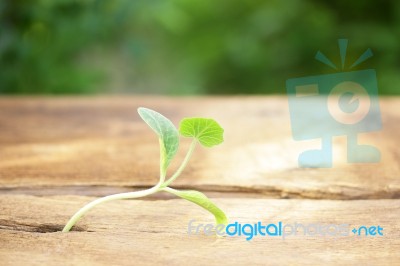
x=205, y=131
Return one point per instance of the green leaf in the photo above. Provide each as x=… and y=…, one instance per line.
x=167, y=133
x=206, y=130
x=201, y=200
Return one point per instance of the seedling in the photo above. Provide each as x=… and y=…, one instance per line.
x=205, y=131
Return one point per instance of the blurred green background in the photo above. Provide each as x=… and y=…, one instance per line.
x=188, y=46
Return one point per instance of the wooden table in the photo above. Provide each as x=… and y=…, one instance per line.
x=56, y=154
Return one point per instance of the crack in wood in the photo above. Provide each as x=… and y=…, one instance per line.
x=339, y=192
x=34, y=228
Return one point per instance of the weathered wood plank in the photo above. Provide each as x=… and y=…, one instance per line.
x=84, y=142
x=155, y=232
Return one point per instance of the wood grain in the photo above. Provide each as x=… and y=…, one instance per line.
x=56, y=152
x=100, y=144
x=141, y=232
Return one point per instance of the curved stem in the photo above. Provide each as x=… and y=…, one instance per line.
x=128, y=195
x=131, y=195
x=182, y=166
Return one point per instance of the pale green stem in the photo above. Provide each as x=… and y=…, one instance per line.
x=163, y=170
x=183, y=165
x=89, y=206
x=170, y=190
x=131, y=195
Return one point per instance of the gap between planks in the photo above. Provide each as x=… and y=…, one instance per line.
x=340, y=193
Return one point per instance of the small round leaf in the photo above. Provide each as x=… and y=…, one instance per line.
x=206, y=130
